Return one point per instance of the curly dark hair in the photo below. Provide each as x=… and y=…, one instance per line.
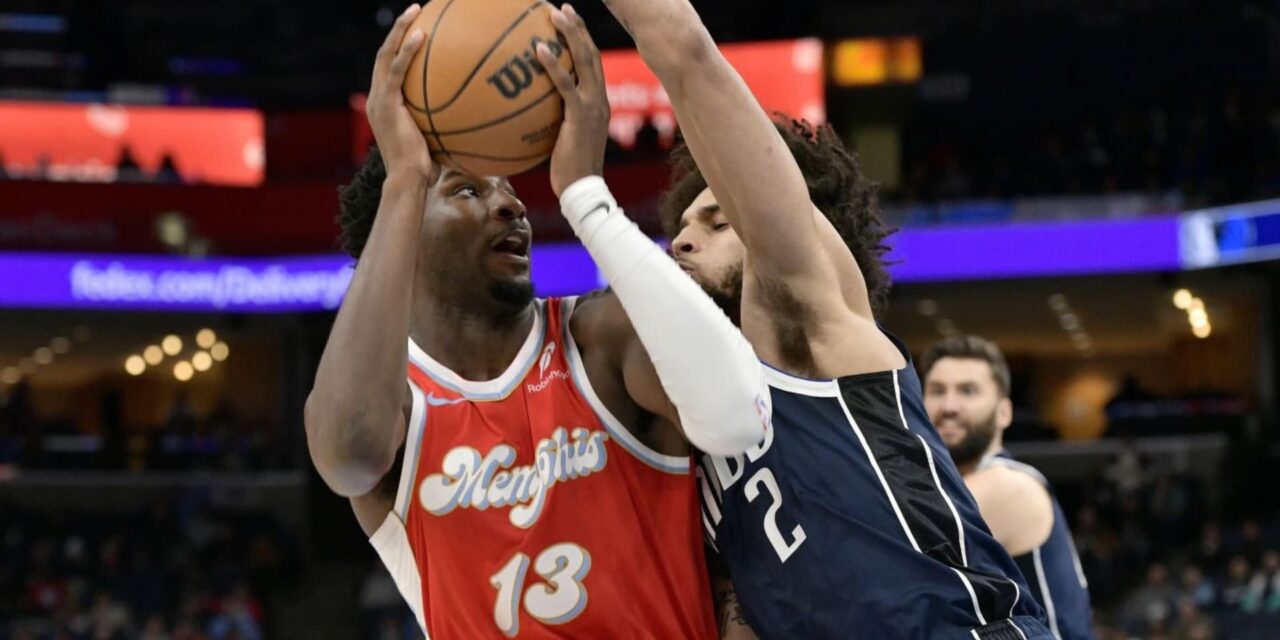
x=836, y=185
x=358, y=203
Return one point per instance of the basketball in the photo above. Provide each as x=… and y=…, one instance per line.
x=476, y=87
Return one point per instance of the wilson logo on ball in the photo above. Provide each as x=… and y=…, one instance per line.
x=517, y=75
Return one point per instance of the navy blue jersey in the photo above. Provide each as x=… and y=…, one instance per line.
x=850, y=520
x=1053, y=569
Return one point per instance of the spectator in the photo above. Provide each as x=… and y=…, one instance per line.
x=1196, y=589
x=1236, y=585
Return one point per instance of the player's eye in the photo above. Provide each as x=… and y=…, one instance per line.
x=467, y=190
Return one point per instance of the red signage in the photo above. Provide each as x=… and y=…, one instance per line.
x=105, y=143
x=785, y=75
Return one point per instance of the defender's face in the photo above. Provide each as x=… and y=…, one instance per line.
x=708, y=249
x=965, y=404
x=475, y=229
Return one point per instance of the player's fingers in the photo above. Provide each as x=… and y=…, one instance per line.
x=586, y=57
x=559, y=76
x=395, y=37
x=589, y=49
x=400, y=64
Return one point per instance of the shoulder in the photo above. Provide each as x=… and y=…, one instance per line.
x=1005, y=484
x=598, y=320
x=1016, y=506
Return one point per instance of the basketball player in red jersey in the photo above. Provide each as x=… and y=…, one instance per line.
x=531, y=476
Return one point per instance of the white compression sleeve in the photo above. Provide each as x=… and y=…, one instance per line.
x=707, y=368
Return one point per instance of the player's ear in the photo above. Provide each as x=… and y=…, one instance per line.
x=1004, y=414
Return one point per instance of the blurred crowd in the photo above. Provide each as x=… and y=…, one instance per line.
x=1217, y=152
x=181, y=570
x=184, y=441
x=1163, y=563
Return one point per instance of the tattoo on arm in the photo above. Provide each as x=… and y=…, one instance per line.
x=728, y=611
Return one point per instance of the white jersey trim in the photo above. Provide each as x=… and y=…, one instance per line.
x=804, y=386
x=391, y=541
x=412, y=450
x=497, y=388
x=1050, y=609
x=677, y=465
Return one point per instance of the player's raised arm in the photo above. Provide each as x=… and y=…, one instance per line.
x=354, y=417
x=700, y=373
x=748, y=166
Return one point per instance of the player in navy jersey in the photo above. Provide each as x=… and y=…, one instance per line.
x=849, y=520
x=966, y=391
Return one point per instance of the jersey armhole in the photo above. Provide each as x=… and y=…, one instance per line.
x=391, y=542
x=676, y=465
x=412, y=452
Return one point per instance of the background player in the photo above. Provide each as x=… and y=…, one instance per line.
x=849, y=518
x=540, y=451
x=966, y=391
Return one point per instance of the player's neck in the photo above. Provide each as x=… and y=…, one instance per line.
x=477, y=344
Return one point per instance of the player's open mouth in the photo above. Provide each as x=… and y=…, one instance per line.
x=514, y=244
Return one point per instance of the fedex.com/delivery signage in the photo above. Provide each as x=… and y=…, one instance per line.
x=243, y=285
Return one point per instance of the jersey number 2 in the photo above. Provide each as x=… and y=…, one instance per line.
x=765, y=477
x=560, y=600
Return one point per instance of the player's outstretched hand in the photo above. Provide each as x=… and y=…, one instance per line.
x=403, y=147
x=580, y=147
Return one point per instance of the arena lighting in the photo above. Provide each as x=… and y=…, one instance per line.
x=205, y=338
x=202, y=361
x=153, y=355
x=1058, y=302
x=862, y=62
x=183, y=371
x=43, y=355
x=927, y=308
x=172, y=345
x=1182, y=299
x=1196, y=303
x=220, y=351
x=1202, y=331
x=11, y=375
x=60, y=345
x=1198, y=317
x=135, y=365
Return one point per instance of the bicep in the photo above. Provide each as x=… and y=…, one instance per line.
x=353, y=469
x=618, y=366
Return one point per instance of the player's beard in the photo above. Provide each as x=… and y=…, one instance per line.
x=512, y=294
x=977, y=437
x=727, y=292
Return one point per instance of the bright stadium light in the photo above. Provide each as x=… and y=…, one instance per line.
x=171, y=344
x=202, y=361
x=205, y=338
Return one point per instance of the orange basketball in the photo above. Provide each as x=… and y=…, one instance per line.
x=476, y=88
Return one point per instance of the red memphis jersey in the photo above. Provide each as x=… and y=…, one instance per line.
x=526, y=509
